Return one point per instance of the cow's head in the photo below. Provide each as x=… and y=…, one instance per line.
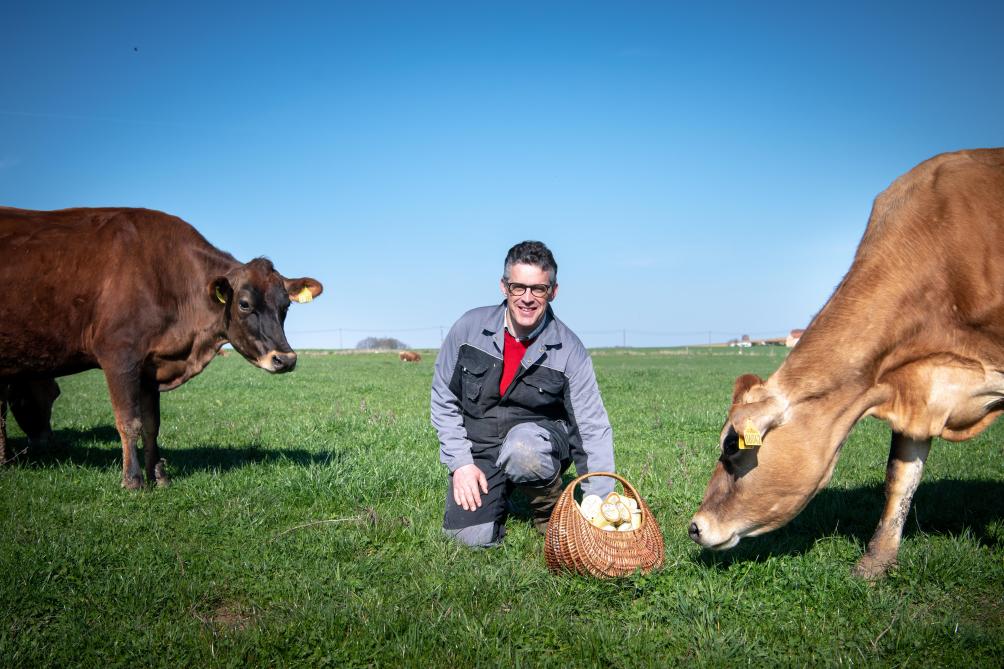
x=254, y=299
x=760, y=488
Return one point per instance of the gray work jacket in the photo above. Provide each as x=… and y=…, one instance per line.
x=555, y=382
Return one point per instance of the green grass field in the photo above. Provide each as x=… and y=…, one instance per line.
x=303, y=529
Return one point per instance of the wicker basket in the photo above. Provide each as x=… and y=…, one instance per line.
x=573, y=544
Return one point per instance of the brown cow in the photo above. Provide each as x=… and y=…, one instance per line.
x=409, y=356
x=914, y=335
x=141, y=295
x=30, y=402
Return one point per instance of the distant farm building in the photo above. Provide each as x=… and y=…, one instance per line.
x=745, y=342
x=793, y=338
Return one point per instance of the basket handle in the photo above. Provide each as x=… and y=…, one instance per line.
x=627, y=486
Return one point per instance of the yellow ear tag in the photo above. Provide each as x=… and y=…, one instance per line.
x=219, y=296
x=304, y=296
x=750, y=436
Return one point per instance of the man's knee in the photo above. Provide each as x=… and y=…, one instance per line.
x=528, y=455
x=485, y=535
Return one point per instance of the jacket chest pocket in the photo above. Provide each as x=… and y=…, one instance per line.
x=472, y=380
x=537, y=392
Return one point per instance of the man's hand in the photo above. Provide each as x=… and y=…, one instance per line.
x=466, y=481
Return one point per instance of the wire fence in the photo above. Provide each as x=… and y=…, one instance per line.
x=431, y=337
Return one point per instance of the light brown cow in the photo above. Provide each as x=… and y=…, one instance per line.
x=914, y=335
x=409, y=356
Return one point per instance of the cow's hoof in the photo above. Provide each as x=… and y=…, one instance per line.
x=872, y=568
x=132, y=482
x=160, y=474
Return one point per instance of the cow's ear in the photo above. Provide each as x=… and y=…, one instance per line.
x=742, y=384
x=756, y=411
x=304, y=289
x=220, y=290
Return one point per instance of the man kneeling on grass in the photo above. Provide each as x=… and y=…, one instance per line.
x=515, y=401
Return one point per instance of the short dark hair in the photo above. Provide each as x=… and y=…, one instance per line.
x=531, y=253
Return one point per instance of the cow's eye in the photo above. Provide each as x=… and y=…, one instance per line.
x=244, y=305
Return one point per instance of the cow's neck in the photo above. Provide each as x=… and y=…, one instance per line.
x=829, y=380
x=857, y=335
x=180, y=358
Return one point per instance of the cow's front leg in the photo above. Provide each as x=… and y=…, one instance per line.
x=124, y=391
x=902, y=475
x=156, y=469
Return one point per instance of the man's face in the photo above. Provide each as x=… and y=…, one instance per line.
x=526, y=310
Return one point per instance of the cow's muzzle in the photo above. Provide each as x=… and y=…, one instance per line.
x=706, y=533
x=277, y=362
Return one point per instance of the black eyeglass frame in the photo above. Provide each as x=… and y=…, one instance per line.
x=537, y=289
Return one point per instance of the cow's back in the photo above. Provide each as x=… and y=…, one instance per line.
x=951, y=203
x=929, y=268
x=70, y=275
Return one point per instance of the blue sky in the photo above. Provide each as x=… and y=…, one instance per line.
x=694, y=168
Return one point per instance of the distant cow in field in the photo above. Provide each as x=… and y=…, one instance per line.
x=30, y=403
x=914, y=335
x=143, y=296
x=409, y=356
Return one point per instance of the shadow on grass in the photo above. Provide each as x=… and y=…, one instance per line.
x=83, y=448
x=945, y=506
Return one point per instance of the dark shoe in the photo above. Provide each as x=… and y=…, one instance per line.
x=541, y=502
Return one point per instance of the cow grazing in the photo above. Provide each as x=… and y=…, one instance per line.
x=30, y=403
x=409, y=356
x=914, y=335
x=143, y=296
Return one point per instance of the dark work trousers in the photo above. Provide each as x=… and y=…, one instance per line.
x=532, y=455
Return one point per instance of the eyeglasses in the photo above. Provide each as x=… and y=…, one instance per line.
x=537, y=290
